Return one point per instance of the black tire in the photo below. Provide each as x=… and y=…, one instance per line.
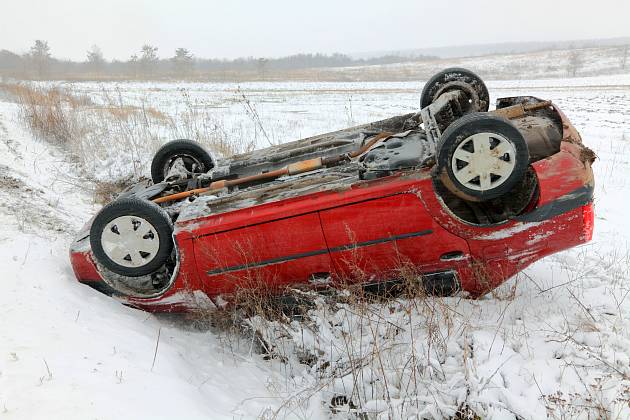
x=456, y=78
x=133, y=207
x=196, y=158
x=459, y=133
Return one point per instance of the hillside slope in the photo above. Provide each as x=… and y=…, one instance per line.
x=69, y=352
x=531, y=65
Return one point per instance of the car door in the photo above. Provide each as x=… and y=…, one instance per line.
x=376, y=239
x=271, y=255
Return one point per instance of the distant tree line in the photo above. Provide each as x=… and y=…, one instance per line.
x=39, y=63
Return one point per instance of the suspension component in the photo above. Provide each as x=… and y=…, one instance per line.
x=292, y=169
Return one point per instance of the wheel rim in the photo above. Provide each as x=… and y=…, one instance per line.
x=483, y=161
x=130, y=241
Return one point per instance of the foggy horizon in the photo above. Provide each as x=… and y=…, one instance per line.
x=282, y=28
x=365, y=53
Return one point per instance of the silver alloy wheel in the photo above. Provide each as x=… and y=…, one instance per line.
x=130, y=241
x=483, y=161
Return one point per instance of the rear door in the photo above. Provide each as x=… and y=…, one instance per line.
x=378, y=239
x=271, y=254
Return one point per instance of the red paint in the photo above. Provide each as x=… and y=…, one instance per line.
x=258, y=243
x=588, y=213
x=386, y=217
x=398, y=221
x=83, y=267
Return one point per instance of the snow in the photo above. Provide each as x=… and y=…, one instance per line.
x=69, y=352
x=552, y=341
x=534, y=65
x=506, y=233
x=294, y=110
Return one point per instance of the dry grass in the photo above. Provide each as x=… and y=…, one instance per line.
x=365, y=352
x=113, y=140
x=369, y=354
x=401, y=354
x=107, y=191
x=46, y=110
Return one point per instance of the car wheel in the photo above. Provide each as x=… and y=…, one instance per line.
x=194, y=157
x=132, y=237
x=457, y=79
x=481, y=157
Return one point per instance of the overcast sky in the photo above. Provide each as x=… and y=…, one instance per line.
x=237, y=28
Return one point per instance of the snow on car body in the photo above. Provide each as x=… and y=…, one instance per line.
x=363, y=221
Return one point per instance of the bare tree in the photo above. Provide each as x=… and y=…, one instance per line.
x=40, y=56
x=95, y=59
x=183, y=61
x=575, y=63
x=148, y=58
x=624, y=56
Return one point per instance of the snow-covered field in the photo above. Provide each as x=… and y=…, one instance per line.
x=259, y=113
x=530, y=65
x=554, y=341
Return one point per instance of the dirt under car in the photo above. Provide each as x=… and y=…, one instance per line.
x=462, y=196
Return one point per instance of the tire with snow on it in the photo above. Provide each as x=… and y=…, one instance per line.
x=196, y=159
x=481, y=157
x=132, y=237
x=456, y=78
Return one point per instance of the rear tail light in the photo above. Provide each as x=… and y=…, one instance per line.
x=588, y=216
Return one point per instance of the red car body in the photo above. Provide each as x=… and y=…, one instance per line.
x=366, y=233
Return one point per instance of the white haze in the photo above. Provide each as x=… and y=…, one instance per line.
x=212, y=28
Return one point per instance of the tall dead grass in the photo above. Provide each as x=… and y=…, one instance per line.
x=113, y=139
x=356, y=351
x=46, y=111
x=396, y=354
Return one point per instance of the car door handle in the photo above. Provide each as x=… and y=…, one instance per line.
x=452, y=255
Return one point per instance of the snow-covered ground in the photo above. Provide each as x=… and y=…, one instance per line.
x=68, y=352
x=530, y=65
x=263, y=113
x=563, y=326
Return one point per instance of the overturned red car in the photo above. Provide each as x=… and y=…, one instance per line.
x=461, y=196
